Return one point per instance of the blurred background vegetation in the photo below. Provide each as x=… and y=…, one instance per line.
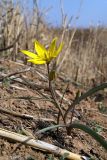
x=84, y=57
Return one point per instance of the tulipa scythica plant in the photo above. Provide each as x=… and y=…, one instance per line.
x=45, y=56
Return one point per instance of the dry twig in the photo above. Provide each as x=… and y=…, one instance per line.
x=16, y=114
x=37, y=144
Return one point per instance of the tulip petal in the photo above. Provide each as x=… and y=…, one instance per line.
x=52, y=47
x=36, y=61
x=30, y=54
x=58, y=50
x=40, y=49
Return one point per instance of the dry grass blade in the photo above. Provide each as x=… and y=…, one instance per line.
x=24, y=116
x=11, y=45
x=38, y=144
x=15, y=73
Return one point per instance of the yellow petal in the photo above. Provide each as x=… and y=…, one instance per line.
x=58, y=50
x=40, y=49
x=36, y=61
x=52, y=47
x=30, y=54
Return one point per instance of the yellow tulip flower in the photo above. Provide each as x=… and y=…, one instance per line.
x=43, y=55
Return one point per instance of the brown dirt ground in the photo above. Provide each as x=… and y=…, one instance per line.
x=78, y=142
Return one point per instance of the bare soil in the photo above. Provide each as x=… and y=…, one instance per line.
x=78, y=142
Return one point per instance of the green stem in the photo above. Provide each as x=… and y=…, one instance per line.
x=59, y=114
x=54, y=95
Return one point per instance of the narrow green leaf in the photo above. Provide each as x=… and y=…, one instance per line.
x=91, y=132
x=84, y=96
